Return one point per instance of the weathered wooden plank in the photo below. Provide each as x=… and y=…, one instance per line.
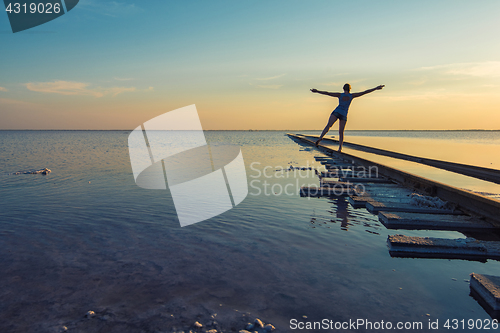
x=352, y=173
x=365, y=180
x=386, y=190
x=341, y=189
x=417, y=221
x=487, y=287
x=336, y=172
x=379, y=192
x=359, y=201
x=377, y=206
x=336, y=166
x=331, y=181
x=428, y=247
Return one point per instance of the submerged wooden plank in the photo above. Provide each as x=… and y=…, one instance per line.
x=360, y=201
x=385, y=191
x=353, y=173
x=377, y=206
x=336, y=166
x=487, y=287
x=329, y=181
x=366, y=180
x=427, y=247
x=432, y=222
x=337, y=172
x=333, y=183
x=357, y=201
x=341, y=189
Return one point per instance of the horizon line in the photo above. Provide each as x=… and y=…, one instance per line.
x=274, y=130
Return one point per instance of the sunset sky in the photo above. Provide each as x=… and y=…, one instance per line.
x=250, y=64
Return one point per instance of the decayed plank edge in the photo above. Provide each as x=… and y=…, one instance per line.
x=432, y=222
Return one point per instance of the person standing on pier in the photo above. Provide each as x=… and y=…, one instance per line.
x=340, y=111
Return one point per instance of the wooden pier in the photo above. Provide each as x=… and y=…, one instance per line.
x=488, y=174
x=437, y=206
x=465, y=201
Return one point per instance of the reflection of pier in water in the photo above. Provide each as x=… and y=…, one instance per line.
x=406, y=201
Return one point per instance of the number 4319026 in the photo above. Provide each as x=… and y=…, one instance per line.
x=33, y=8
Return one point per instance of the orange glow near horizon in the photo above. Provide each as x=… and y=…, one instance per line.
x=253, y=68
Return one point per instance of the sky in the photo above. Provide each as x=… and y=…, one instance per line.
x=250, y=64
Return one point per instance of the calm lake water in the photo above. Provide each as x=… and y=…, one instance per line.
x=85, y=237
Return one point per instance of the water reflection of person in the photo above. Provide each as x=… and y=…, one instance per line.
x=340, y=111
x=342, y=212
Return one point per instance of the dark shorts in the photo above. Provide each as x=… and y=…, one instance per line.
x=339, y=116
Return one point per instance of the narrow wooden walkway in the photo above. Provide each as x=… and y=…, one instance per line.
x=488, y=174
x=389, y=192
x=463, y=200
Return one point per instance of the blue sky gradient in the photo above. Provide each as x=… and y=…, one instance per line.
x=250, y=64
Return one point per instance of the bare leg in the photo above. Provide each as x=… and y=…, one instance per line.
x=330, y=123
x=342, y=124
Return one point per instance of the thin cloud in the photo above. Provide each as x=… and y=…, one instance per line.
x=270, y=86
x=271, y=78
x=63, y=88
x=333, y=84
x=418, y=82
x=123, y=79
x=75, y=88
x=434, y=95
x=341, y=83
x=17, y=103
x=110, y=8
x=3, y=89
x=477, y=69
x=118, y=90
x=267, y=86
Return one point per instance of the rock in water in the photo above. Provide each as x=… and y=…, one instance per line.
x=269, y=328
x=250, y=326
x=33, y=172
x=259, y=323
x=198, y=325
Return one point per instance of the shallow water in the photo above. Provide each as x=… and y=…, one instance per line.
x=85, y=237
